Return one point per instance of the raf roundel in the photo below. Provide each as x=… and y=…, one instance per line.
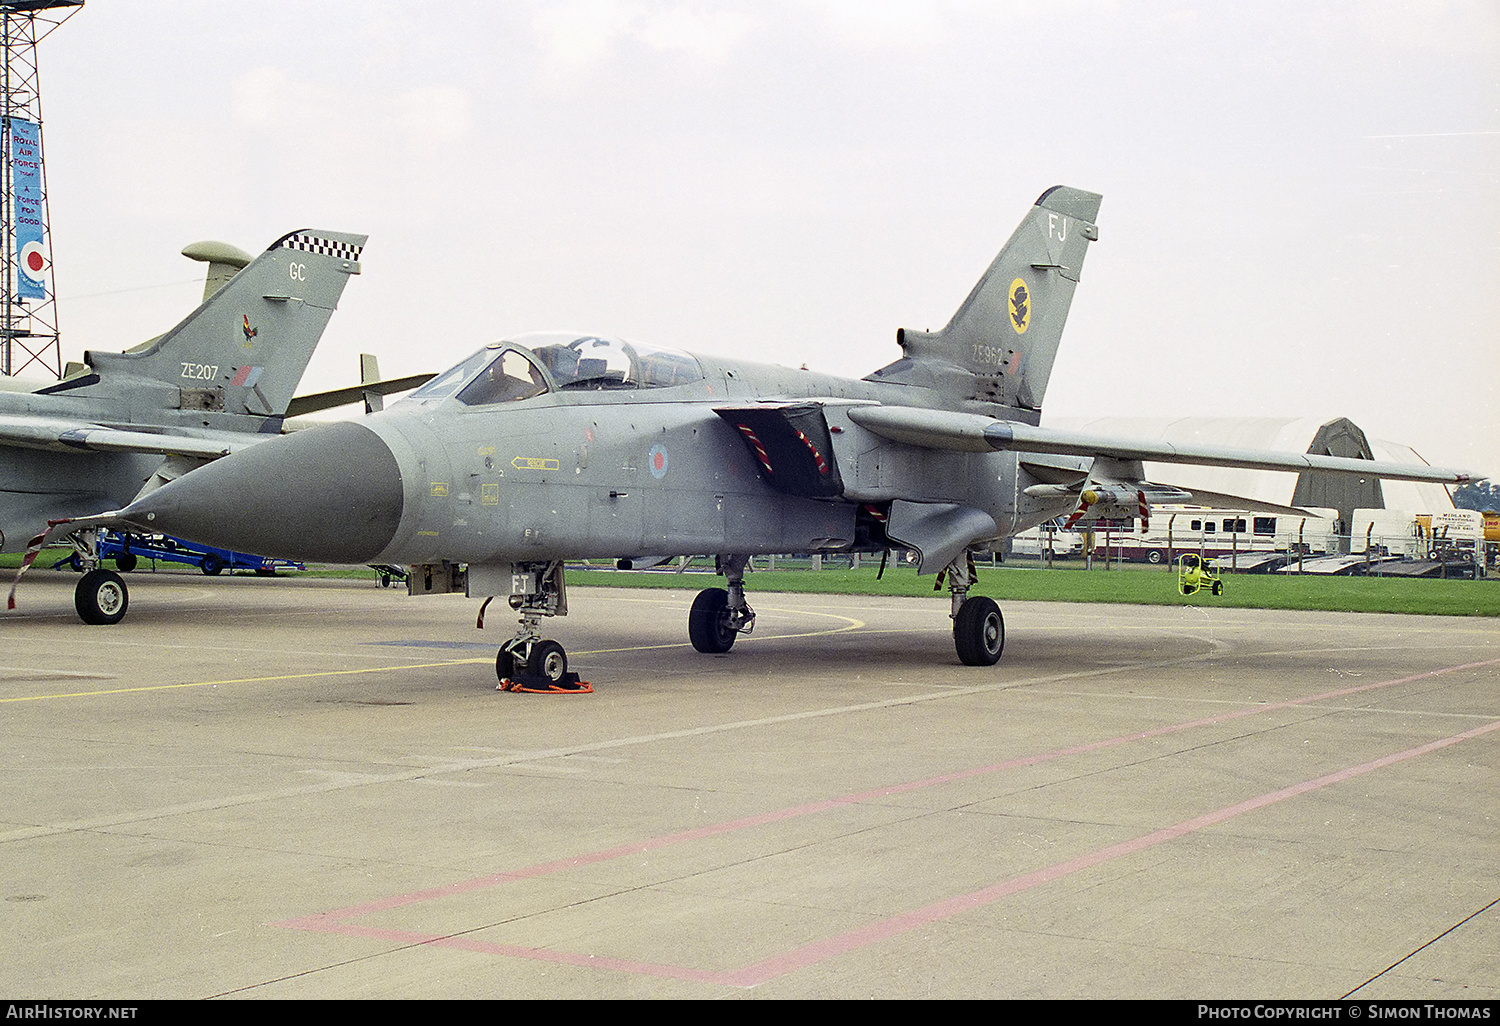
x=656, y=459
x=33, y=260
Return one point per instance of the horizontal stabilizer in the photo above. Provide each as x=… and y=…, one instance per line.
x=1223, y=500
x=315, y=401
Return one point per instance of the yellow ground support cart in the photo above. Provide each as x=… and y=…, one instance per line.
x=1195, y=572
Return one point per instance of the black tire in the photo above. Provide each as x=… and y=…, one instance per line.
x=505, y=665
x=548, y=661
x=125, y=562
x=708, y=622
x=266, y=571
x=75, y=562
x=1218, y=587
x=1154, y=557
x=101, y=597
x=979, y=632
x=385, y=581
x=213, y=566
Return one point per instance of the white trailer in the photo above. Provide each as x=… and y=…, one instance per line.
x=1220, y=533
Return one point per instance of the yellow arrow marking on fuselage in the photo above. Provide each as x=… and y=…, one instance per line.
x=533, y=463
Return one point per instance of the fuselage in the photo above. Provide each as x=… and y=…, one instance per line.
x=483, y=466
x=41, y=484
x=44, y=478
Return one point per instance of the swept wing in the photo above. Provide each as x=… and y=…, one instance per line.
x=80, y=436
x=967, y=432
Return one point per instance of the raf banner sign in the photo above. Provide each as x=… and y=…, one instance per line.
x=26, y=173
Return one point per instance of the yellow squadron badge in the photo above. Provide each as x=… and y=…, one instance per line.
x=1020, y=306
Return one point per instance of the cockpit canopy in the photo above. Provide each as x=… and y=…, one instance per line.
x=532, y=364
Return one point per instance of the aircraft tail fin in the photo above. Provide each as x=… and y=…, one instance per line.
x=243, y=350
x=999, y=347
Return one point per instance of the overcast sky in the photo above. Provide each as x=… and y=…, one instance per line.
x=1301, y=212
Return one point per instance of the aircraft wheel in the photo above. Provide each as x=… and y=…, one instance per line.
x=125, y=562
x=548, y=661
x=505, y=664
x=101, y=598
x=213, y=566
x=979, y=632
x=708, y=622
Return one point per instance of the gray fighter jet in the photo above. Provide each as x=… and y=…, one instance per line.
x=550, y=446
x=122, y=424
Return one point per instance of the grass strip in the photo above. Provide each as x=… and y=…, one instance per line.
x=1133, y=584
x=1159, y=588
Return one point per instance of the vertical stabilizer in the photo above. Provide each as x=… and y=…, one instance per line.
x=369, y=374
x=244, y=349
x=1005, y=335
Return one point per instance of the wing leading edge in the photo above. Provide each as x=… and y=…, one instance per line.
x=57, y=435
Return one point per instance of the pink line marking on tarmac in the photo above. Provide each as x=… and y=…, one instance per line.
x=336, y=920
x=816, y=952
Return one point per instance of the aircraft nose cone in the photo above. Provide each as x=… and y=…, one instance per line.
x=331, y=494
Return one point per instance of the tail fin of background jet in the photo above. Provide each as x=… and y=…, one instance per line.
x=244, y=349
x=999, y=347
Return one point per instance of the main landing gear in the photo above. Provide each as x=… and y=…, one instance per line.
x=529, y=662
x=978, y=627
x=719, y=616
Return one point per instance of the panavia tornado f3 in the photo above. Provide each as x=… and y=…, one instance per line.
x=122, y=424
x=553, y=446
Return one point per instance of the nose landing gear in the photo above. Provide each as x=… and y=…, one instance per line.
x=101, y=597
x=528, y=662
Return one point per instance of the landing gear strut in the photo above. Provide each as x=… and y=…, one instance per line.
x=528, y=660
x=978, y=627
x=719, y=616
